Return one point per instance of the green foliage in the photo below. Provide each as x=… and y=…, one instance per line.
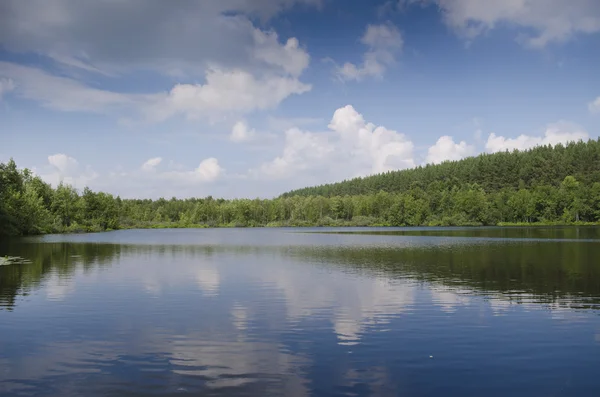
x=540, y=166
x=23, y=208
x=545, y=185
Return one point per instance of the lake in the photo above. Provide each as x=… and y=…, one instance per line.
x=303, y=312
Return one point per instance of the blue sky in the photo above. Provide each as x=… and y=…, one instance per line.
x=242, y=98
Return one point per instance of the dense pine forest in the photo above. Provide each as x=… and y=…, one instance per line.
x=540, y=166
x=550, y=185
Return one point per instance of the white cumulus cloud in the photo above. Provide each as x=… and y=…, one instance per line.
x=175, y=180
x=351, y=147
x=63, y=163
x=382, y=149
x=594, y=106
x=383, y=42
x=303, y=150
x=141, y=182
x=209, y=170
x=151, y=164
x=540, y=21
x=244, y=70
x=66, y=169
x=290, y=57
x=446, y=149
x=224, y=92
x=561, y=132
x=241, y=133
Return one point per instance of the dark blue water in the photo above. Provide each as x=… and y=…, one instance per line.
x=274, y=312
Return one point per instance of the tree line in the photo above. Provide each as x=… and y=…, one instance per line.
x=558, y=184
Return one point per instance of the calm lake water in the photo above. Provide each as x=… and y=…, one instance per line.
x=274, y=312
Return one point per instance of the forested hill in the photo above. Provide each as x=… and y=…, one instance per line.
x=540, y=166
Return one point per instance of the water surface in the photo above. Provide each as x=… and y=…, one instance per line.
x=273, y=312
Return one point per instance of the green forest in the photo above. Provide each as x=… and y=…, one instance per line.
x=544, y=185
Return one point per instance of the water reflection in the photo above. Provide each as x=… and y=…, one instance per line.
x=208, y=279
x=52, y=264
x=538, y=232
x=350, y=317
x=544, y=270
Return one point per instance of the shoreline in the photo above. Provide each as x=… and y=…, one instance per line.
x=78, y=229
